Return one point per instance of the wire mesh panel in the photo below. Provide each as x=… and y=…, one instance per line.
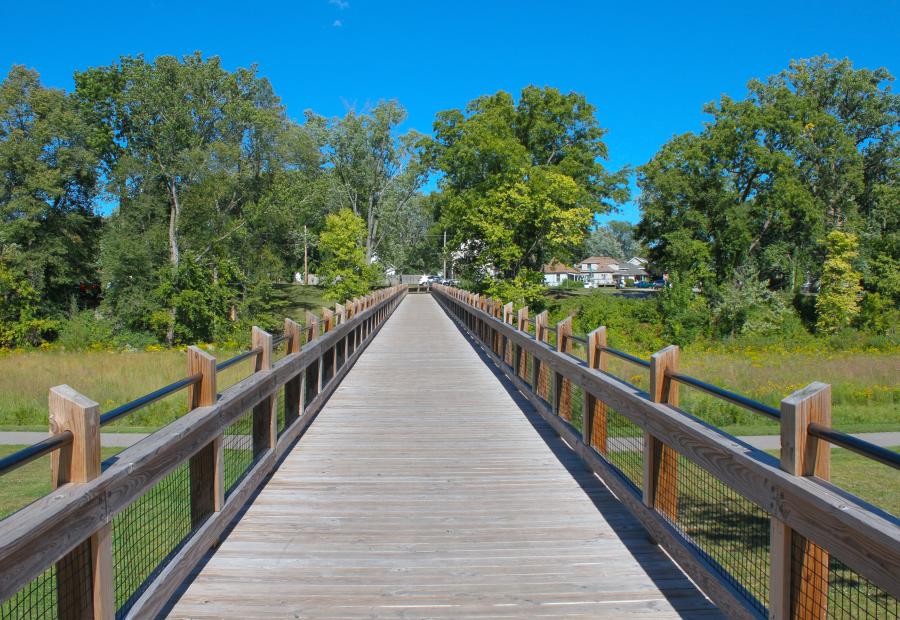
x=726, y=528
x=238, y=451
x=576, y=407
x=327, y=366
x=624, y=448
x=61, y=590
x=826, y=587
x=147, y=533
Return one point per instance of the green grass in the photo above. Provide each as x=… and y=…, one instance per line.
x=31, y=482
x=115, y=377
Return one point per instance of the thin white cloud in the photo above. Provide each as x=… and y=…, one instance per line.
x=337, y=23
x=341, y=4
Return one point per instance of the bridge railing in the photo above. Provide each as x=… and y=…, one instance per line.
x=761, y=536
x=116, y=538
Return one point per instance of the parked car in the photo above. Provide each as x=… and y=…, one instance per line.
x=660, y=284
x=643, y=284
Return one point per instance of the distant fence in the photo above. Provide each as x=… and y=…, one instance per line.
x=117, y=538
x=761, y=536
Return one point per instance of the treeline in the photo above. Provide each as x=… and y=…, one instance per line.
x=783, y=211
x=213, y=195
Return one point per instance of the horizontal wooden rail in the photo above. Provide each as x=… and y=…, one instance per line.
x=42, y=533
x=864, y=539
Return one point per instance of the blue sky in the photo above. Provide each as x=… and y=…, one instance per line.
x=648, y=66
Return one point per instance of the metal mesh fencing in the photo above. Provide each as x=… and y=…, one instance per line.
x=620, y=442
x=65, y=587
x=728, y=530
x=829, y=588
x=238, y=451
x=147, y=533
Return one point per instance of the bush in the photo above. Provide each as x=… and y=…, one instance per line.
x=633, y=325
x=684, y=315
x=89, y=330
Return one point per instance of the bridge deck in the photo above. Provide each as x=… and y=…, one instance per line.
x=422, y=490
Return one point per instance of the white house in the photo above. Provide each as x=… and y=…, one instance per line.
x=599, y=270
x=555, y=273
x=608, y=271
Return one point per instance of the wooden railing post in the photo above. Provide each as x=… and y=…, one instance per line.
x=799, y=573
x=521, y=355
x=314, y=370
x=507, y=346
x=540, y=374
x=562, y=399
x=84, y=576
x=207, y=466
x=265, y=419
x=660, y=460
x=293, y=389
x=329, y=358
x=595, y=427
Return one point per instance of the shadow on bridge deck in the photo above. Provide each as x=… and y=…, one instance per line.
x=421, y=490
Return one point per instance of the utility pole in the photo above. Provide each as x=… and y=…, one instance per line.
x=445, y=253
x=305, y=256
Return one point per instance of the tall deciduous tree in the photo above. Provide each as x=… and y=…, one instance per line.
x=810, y=150
x=190, y=147
x=520, y=183
x=48, y=182
x=373, y=172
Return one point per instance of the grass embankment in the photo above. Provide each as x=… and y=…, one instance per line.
x=115, y=377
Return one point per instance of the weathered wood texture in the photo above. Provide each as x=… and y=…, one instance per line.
x=421, y=490
x=43, y=532
x=863, y=539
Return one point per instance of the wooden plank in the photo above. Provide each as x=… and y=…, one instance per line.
x=661, y=461
x=43, y=532
x=84, y=575
x=265, y=420
x=595, y=429
x=294, y=388
x=563, y=391
x=206, y=472
x=864, y=540
x=442, y=509
x=718, y=589
x=800, y=568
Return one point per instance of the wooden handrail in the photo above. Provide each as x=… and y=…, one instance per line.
x=864, y=539
x=40, y=534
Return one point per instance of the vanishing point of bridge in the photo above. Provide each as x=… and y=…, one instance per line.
x=422, y=490
x=444, y=456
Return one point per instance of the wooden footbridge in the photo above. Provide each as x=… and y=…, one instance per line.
x=444, y=456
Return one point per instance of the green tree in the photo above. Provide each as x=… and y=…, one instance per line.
x=812, y=149
x=48, y=182
x=191, y=151
x=372, y=171
x=344, y=269
x=838, y=301
x=520, y=182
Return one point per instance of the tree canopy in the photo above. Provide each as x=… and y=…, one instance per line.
x=520, y=183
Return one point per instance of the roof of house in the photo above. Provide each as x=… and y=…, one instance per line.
x=637, y=260
x=600, y=260
x=554, y=266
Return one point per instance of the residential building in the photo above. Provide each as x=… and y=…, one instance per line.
x=608, y=271
x=555, y=273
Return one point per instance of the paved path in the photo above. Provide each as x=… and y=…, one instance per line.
x=422, y=490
